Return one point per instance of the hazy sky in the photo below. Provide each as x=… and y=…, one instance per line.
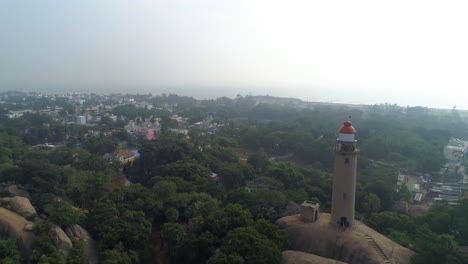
x=404, y=52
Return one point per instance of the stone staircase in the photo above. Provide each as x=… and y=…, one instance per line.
x=371, y=242
x=377, y=249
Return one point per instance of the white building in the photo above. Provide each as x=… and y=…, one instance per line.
x=455, y=149
x=81, y=120
x=454, y=152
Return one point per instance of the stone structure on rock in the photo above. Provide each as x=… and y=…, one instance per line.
x=316, y=237
x=358, y=245
x=310, y=212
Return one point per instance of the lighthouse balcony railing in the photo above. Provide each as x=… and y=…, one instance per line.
x=346, y=147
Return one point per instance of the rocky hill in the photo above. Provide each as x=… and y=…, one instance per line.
x=356, y=245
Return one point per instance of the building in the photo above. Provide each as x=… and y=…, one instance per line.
x=81, y=120
x=454, y=152
x=344, y=177
x=418, y=198
x=309, y=211
x=316, y=237
x=45, y=146
x=455, y=149
x=126, y=156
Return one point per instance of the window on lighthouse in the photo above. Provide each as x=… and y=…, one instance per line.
x=346, y=161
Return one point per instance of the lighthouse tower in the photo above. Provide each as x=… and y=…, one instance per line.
x=344, y=178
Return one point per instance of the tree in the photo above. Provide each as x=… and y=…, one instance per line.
x=433, y=248
x=172, y=215
x=223, y=259
x=134, y=229
x=188, y=169
x=383, y=222
x=174, y=234
x=385, y=193
x=122, y=135
x=165, y=189
x=371, y=204
x=157, y=153
x=106, y=121
x=87, y=189
x=226, y=142
x=118, y=255
x=103, y=223
x=218, y=156
x=139, y=198
x=100, y=145
x=251, y=245
x=41, y=175
x=167, y=123
x=44, y=251
x=77, y=253
x=259, y=160
x=62, y=213
x=9, y=252
x=289, y=175
x=297, y=195
x=231, y=175
x=272, y=232
x=237, y=216
x=265, y=203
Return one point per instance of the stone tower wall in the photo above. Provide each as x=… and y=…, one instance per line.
x=344, y=186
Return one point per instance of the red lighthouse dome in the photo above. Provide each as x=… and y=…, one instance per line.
x=347, y=128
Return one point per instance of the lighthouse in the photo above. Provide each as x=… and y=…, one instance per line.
x=344, y=177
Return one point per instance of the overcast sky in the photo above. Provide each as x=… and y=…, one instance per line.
x=404, y=52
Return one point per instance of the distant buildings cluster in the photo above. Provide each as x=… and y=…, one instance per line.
x=451, y=189
x=454, y=152
x=90, y=111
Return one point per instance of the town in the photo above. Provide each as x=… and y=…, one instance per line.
x=177, y=165
x=133, y=119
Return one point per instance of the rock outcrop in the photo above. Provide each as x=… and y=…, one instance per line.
x=78, y=232
x=19, y=205
x=297, y=257
x=16, y=227
x=356, y=245
x=60, y=239
x=5, y=202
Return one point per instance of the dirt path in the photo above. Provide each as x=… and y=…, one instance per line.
x=157, y=242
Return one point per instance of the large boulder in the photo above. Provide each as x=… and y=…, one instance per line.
x=22, y=206
x=60, y=239
x=297, y=257
x=16, y=227
x=5, y=201
x=358, y=244
x=29, y=227
x=79, y=233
